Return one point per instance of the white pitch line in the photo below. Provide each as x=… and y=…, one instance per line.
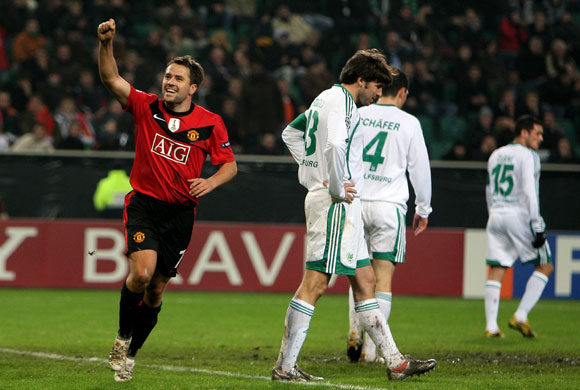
x=55, y=356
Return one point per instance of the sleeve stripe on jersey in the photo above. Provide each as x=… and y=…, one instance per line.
x=348, y=102
x=299, y=123
x=348, y=149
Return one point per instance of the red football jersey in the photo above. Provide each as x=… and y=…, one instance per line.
x=171, y=147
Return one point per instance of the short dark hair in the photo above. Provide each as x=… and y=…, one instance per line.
x=196, y=73
x=526, y=122
x=369, y=64
x=399, y=81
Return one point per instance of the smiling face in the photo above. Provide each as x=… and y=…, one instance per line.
x=176, y=87
x=369, y=93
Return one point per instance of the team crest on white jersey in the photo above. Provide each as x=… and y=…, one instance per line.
x=169, y=149
x=174, y=124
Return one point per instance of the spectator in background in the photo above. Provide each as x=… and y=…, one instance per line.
x=72, y=141
x=20, y=89
x=37, y=67
x=493, y=65
x=479, y=129
x=27, y=41
x=52, y=90
x=6, y=139
x=504, y=129
x=37, y=112
x=176, y=43
x=288, y=102
x=458, y=152
x=109, y=137
x=218, y=16
x=563, y=154
x=316, y=79
x=87, y=94
x=258, y=115
x=530, y=104
x=394, y=50
x=426, y=88
x=230, y=116
x=472, y=90
x=8, y=114
x=268, y=144
x=512, y=34
x=553, y=130
x=531, y=63
x=218, y=69
x=65, y=114
x=561, y=92
x=557, y=58
x=4, y=65
x=487, y=145
x=461, y=63
x=406, y=26
x=540, y=28
x=36, y=141
x=506, y=105
x=68, y=66
x=298, y=30
x=124, y=124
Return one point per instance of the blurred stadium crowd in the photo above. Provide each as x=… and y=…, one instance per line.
x=474, y=66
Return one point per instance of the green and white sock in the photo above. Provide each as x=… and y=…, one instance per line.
x=492, y=290
x=534, y=289
x=375, y=325
x=385, y=299
x=296, y=327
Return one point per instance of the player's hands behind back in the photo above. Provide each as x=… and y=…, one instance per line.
x=106, y=30
x=540, y=239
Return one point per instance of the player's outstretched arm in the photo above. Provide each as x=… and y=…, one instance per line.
x=118, y=86
x=200, y=186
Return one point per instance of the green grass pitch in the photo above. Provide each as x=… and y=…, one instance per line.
x=59, y=339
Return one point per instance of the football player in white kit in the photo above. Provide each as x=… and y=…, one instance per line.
x=394, y=144
x=328, y=146
x=515, y=227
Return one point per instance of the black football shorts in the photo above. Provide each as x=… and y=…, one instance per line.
x=163, y=227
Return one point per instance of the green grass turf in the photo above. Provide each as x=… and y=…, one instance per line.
x=231, y=340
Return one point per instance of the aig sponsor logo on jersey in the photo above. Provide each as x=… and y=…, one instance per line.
x=169, y=149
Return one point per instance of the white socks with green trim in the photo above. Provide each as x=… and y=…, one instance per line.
x=369, y=349
x=534, y=289
x=385, y=299
x=296, y=327
x=374, y=323
x=492, y=290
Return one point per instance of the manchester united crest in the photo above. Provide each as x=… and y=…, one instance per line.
x=139, y=237
x=174, y=124
x=192, y=135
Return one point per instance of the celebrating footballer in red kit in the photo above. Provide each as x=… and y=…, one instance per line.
x=173, y=138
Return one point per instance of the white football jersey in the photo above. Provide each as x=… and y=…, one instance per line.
x=513, y=183
x=394, y=144
x=326, y=143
